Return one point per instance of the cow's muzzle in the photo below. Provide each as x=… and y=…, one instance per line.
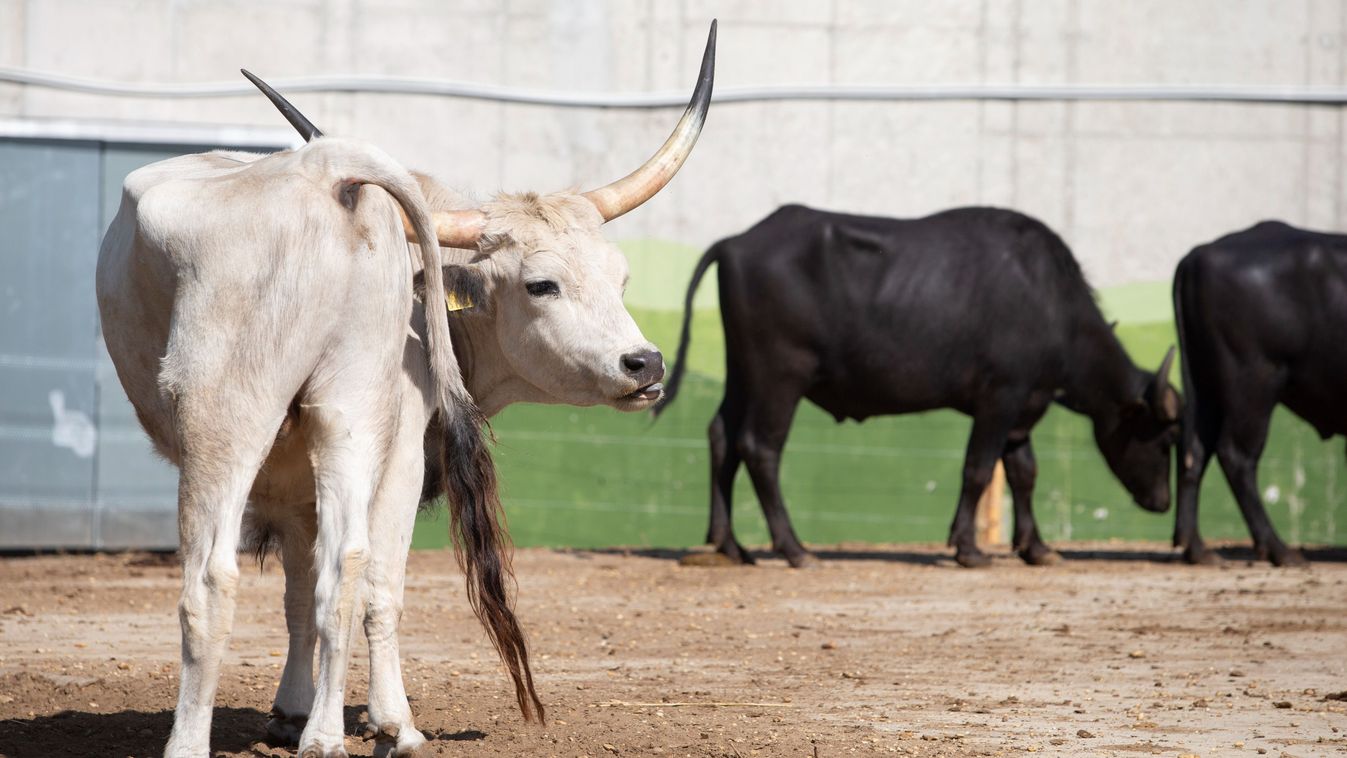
x=1157, y=501
x=644, y=369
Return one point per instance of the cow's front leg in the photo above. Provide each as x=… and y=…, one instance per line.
x=294, y=696
x=392, y=519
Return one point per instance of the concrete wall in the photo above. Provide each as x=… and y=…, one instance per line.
x=1131, y=186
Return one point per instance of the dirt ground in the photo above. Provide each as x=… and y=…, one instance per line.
x=878, y=651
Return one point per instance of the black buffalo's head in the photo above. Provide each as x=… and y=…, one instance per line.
x=1137, y=439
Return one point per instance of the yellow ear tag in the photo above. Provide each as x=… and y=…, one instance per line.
x=457, y=303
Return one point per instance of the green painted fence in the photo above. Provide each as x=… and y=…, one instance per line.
x=591, y=477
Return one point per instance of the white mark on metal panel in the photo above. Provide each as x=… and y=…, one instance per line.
x=71, y=428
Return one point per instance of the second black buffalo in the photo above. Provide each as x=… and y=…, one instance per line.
x=1262, y=317
x=981, y=310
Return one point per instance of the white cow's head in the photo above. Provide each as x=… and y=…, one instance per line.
x=538, y=289
x=551, y=289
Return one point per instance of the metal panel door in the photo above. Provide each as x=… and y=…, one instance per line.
x=135, y=491
x=76, y=470
x=49, y=233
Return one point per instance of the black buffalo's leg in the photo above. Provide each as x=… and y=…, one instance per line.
x=985, y=445
x=1021, y=473
x=1240, y=447
x=766, y=426
x=1194, y=454
x=723, y=432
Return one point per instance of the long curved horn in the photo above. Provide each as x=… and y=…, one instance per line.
x=302, y=125
x=640, y=185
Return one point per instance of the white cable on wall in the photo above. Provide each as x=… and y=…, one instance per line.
x=497, y=93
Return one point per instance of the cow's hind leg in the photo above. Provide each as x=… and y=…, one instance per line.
x=725, y=460
x=760, y=443
x=1194, y=454
x=217, y=472
x=1021, y=473
x=986, y=443
x=392, y=518
x=294, y=696
x=1239, y=448
x=344, y=441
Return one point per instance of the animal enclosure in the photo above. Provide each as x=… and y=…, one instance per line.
x=881, y=651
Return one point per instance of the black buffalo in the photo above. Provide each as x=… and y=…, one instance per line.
x=977, y=309
x=1262, y=319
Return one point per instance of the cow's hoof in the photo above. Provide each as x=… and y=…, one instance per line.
x=973, y=559
x=803, y=560
x=709, y=560
x=392, y=741
x=283, y=730
x=318, y=751
x=1201, y=556
x=1288, y=557
x=1040, y=555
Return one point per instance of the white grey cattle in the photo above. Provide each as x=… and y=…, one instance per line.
x=283, y=296
x=236, y=288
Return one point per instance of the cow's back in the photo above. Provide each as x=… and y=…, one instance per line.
x=1269, y=305
x=901, y=315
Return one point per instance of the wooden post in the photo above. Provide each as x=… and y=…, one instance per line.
x=990, y=526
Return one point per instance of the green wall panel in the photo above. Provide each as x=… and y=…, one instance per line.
x=593, y=477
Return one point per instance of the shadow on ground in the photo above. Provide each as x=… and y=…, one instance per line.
x=1231, y=553
x=78, y=734
x=81, y=734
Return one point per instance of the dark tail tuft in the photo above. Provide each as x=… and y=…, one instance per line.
x=680, y=361
x=483, y=550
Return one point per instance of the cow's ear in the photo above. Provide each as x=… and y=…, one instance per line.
x=464, y=288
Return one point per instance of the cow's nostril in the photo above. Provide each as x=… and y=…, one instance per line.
x=634, y=362
x=644, y=365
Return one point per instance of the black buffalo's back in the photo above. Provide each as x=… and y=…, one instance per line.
x=879, y=315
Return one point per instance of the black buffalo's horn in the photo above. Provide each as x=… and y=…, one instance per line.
x=1164, y=400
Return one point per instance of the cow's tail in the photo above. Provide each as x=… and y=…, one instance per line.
x=476, y=521
x=1180, y=292
x=1186, y=482
x=680, y=360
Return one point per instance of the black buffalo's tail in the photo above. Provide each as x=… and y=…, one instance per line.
x=680, y=361
x=1189, y=469
x=1183, y=292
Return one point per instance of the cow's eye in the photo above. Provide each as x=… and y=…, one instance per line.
x=542, y=288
